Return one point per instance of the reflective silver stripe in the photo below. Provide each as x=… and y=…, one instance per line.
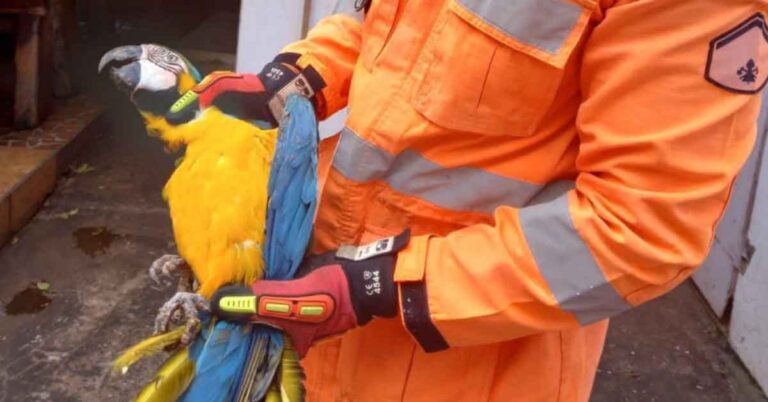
x=565, y=260
x=456, y=188
x=544, y=24
x=359, y=160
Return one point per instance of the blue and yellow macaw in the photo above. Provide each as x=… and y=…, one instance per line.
x=242, y=202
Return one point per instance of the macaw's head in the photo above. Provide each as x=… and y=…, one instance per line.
x=152, y=75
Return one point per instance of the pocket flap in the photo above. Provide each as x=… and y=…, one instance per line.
x=546, y=29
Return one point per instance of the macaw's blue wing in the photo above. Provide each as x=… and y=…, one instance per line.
x=292, y=190
x=236, y=362
x=291, y=211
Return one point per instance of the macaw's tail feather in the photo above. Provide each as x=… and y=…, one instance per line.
x=146, y=348
x=289, y=382
x=219, y=353
x=290, y=375
x=261, y=365
x=171, y=380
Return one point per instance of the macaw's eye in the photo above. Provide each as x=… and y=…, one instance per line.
x=171, y=58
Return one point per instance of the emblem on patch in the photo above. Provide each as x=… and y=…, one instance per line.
x=738, y=59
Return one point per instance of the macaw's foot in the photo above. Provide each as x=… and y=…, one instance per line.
x=181, y=309
x=163, y=268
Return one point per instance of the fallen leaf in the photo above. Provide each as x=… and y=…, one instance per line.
x=43, y=285
x=83, y=168
x=68, y=214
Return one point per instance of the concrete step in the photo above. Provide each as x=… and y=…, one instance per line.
x=32, y=160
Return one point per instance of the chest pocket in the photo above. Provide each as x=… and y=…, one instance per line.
x=493, y=66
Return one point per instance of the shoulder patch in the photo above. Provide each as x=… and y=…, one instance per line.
x=738, y=59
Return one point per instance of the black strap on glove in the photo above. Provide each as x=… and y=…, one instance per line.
x=370, y=271
x=282, y=78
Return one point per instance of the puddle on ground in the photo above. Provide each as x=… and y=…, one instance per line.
x=29, y=301
x=94, y=240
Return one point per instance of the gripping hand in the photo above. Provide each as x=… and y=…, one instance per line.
x=339, y=291
x=258, y=98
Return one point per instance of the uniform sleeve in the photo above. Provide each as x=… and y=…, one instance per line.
x=331, y=48
x=660, y=147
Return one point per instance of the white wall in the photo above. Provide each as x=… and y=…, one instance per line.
x=749, y=322
x=322, y=8
x=266, y=26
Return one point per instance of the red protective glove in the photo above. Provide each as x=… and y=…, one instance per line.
x=256, y=97
x=340, y=291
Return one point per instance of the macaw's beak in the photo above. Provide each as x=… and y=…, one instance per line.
x=123, y=66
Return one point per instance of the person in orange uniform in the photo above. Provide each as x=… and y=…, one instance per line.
x=550, y=163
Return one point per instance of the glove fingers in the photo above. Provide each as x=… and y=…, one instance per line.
x=245, y=105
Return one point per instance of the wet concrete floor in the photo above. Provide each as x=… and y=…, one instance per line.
x=88, y=295
x=91, y=244
x=33, y=299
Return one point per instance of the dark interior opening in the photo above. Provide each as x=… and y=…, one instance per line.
x=82, y=30
x=7, y=72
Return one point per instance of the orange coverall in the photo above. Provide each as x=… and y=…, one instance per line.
x=558, y=162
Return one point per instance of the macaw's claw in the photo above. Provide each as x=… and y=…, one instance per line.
x=181, y=309
x=163, y=267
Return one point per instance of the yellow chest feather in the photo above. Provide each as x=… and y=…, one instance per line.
x=218, y=196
